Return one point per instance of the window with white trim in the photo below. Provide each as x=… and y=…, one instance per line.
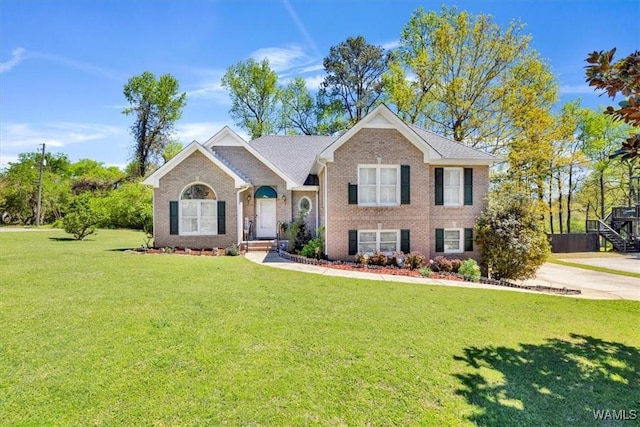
x=198, y=211
x=379, y=185
x=370, y=241
x=452, y=188
x=453, y=243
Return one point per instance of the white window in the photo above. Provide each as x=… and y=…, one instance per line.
x=379, y=185
x=370, y=241
x=198, y=211
x=304, y=205
x=453, y=243
x=452, y=187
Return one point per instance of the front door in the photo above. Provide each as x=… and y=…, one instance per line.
x=266, y=218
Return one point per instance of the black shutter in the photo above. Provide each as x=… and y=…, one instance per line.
x=353, y=194
x=439, y=239
x=222, y=216
x=405, y=243
x=468, y=239
x=353, y=242
x=173, y=217
x=468, y=186
x=405, y=185
x=439, y=186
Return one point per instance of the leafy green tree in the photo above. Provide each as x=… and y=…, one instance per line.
x=156, y=106
x=94, y=176
x=128, y=206
x=171, y=150
x=512, y=237
x=20, y=187
x=621, y=77
x=81, y=218
x=298, y=111
x=466, y=77
x=601, y=135
x=253, y=88
x=354, y=77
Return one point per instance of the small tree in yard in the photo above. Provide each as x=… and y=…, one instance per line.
x=81, y=218
x=511, y=234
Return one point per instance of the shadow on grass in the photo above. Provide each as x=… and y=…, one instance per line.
x=63, y=239
x=557, y=383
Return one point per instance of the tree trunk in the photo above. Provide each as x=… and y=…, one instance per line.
x=551, y=205
x=560, y=204
x=601, y=195
x=569, y=193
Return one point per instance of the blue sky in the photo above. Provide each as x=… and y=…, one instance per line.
x=63, y=63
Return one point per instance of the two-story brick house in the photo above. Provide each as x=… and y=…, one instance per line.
x=383, y=185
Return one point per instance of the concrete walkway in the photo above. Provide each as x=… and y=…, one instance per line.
x=592, y=284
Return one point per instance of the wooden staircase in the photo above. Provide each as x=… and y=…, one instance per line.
x=620, y=243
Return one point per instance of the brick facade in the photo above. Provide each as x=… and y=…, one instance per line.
x=194, y=169
x=421, y=217
x=380, y=144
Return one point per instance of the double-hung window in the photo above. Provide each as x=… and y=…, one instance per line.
x=378, y=241
x=379, y=185
x=198, y=211
x=453, y=241
x=452, y=188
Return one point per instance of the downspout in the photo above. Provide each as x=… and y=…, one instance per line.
x=317, y=213
x=240, y=215
x=326, y=208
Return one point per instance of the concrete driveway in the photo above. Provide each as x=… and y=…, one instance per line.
x=594, y=284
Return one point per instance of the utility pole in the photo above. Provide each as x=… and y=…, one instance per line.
x=42, y=163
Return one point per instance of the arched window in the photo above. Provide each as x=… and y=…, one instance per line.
x=198, y=210
x=304, y=205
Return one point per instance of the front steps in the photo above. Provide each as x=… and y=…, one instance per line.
x=262, y=245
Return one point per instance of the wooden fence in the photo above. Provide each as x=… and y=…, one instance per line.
x=574, y=242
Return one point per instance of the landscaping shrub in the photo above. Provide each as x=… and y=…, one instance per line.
x=378, y=258
x=443, y=264
x=512, y=238
x=470, y=270
x=313, y=249
x=455, y=264
x=396, y=259
x=414, y=260
x=361, y=258
x=81, y=218
x=233, y=250
x=425, y=272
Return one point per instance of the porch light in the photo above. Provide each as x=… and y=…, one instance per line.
x=284, y=198
x=248, y=198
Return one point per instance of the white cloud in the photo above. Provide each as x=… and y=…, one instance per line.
x=24, y=137
x=282, y=58
x=313, y=82
x=576, y=89
x=301, y=27
x=391, y=45
x=17, y=56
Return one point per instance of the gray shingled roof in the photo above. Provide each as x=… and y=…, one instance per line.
x=448, y=148
x=294, y=155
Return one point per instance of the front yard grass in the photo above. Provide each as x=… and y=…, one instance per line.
x=95, y=336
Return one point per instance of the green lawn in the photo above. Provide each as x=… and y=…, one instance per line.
x=92, y=335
